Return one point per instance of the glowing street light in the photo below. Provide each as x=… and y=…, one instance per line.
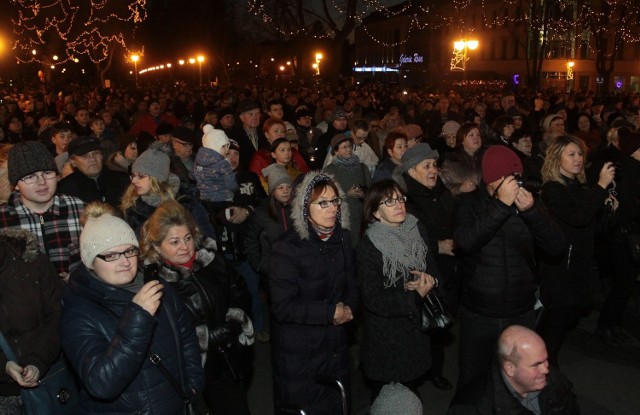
x=135, y=58
x=200, y=60
x=460, y=49
x=192, y=60
x=181, y=62
x=570, y=66
x=316, y=65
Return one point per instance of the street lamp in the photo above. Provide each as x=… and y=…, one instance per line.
x=460, y=49
x=135, y=59
x=317, y=64
x=200, y=60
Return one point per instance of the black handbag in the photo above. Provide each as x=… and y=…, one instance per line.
x=57, y=392
x=434, y=314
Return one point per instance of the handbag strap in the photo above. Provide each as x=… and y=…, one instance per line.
x=157, y=361
x=6, y=349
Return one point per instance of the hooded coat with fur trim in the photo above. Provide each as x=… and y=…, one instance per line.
x=29, y=304
x=309, y=277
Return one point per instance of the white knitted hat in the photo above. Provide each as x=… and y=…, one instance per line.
x=103, y=233
x=214, y=139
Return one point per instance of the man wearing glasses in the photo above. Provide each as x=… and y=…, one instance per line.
x=35, y=207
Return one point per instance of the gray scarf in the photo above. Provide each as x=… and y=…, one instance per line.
x=402, y=249
x=349, y=162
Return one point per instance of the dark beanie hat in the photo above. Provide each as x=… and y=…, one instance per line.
x=499, y=161
x=164, y=128
x=28, y=157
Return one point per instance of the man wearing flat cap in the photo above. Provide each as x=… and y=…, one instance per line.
x=91, y=180
x=248, y=136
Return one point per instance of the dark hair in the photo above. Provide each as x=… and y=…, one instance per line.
x=464, y=130
x=277, y=142
x=273, y=102
x=391, y=138
x=360, y=125
x=518, y=135
x=319, y=187
x=375, y=195
x=501, y=122
x=60, y=127
x=124, y=142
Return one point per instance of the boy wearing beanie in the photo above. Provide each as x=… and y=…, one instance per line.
x=35, y=207
x=212, y=171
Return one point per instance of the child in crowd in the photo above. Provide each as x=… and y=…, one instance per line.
x=212, y=171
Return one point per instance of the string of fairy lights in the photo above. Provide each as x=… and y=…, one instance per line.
x=53, y=32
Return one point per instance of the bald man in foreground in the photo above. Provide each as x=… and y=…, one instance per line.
x=520, y=381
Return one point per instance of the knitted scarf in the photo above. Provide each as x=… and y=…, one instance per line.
x=348, y=162
x=402, y=249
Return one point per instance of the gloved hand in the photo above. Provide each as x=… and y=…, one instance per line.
x=225, y=335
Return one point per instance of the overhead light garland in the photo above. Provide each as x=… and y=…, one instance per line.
x=69, y=29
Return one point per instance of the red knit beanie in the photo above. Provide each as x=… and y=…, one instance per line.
x=499, y=161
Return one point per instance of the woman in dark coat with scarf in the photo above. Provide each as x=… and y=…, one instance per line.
x=29, y=314
x=576, y=208
x=313, y=293
x=111, y=321
x=395, y=271
x=217, y=299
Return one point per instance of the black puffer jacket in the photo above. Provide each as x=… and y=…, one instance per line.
x=106, y=338
x=489, y=395
x=577, y=209
x=209, y=290
x=496, y=246
x=29, y=304
x=262, y=231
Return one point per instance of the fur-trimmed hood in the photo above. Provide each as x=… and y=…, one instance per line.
x=300, y=206
x=20, y=242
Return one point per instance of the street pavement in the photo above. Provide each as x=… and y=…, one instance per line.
x=606, y=379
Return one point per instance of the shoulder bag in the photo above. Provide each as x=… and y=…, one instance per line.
x=434, y=314
x=57, y=392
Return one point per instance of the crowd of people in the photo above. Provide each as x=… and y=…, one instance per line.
x=181, y=225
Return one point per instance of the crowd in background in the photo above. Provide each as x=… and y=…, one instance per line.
x=311, y=217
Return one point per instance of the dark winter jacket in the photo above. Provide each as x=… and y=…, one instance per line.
x=106, y=337
x=29, y=304
x=214, y=175
x=393, y=347
x=209, y=290
x=496, y=243
x=308, y=278
x=108, y=187
x=576, y=209
x=262, y=232
x=489, y=395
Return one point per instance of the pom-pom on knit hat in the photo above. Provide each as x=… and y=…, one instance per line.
x=214, y=139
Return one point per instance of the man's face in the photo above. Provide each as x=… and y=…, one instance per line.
x=82, y=116
x=90, y=164
x=530, y=373
x=250, y=119
x=42, y=191
x=340, y=124
x=182, y=149
x=507, y=102
x=233, y=157
x=304, y=121
x=275, y=111
x=227, y=122
x=154, y=109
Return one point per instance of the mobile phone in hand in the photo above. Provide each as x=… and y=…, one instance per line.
x=151, y=272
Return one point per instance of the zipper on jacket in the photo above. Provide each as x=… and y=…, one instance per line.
x=569, y=256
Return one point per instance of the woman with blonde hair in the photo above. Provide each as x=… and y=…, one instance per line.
x=576, y=208
x=215, y=295
x=151, y=185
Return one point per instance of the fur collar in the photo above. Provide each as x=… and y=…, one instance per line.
x=20, y=242
x=204, y=257
x=299, y=210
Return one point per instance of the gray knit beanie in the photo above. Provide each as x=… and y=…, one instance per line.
x=153, y=163
x=395, y=398
x=416, y=154
x=28, y=157
x=276, y=175
x=103, y=233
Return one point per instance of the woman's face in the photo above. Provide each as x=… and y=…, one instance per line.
x=274, y=132
x=508, y=130
x=399, y=147
x=282, y=155
x=472, y=141
x=131, y=152
x=345, y=149
x=425, y=173
x=119, y=272
x=324, y=217
x=178, y=245
x=583, y=124
x=571, y=161
x=517, y=123
x=556, y=126
x=282, y=193
x=524, y=145
x=142, y=183
x=391, y=215
x=450, y=140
